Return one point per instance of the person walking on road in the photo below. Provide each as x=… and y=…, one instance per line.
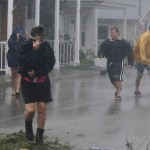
x=14, y=44
x=116, y=50
x=141, y=53
x=36, y=60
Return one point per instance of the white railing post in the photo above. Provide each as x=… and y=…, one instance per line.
x=9, y=27
x=3, y=61
x=56, y=41
x=7, y=69
x=2, y=58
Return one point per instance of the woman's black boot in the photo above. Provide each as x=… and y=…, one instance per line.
x=29, y=130
x=39, y=136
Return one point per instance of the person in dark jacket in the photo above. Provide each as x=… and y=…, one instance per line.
x=36, y=60
x=116, y=50
x=14, y=43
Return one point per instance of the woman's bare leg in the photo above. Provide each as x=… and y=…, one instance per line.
x=29, y=115
x=30, y=110
x=13, y=80
x=18, y=81
x=41, y=109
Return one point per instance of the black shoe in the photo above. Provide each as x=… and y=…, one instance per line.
x=39, y=136
x=29, y=130
x=138, y=94
x=17, y=93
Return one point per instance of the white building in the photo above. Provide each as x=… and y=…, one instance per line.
x=97, y=17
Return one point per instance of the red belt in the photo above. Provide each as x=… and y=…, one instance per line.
x=35, y=80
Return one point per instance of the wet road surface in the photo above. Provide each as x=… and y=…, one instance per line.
x=84, y=112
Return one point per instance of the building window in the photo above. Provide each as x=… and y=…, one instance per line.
x=103, y=32
x=83, y=39
x=31, y=9
x=66, y=28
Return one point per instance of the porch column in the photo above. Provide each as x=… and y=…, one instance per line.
x=125, y=24
x=9, y=28
x=56, y=40
x=10, y=18
x=96, y=31
x=77, y=41
x=37, y=12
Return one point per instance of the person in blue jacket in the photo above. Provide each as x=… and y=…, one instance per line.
x=14, y=43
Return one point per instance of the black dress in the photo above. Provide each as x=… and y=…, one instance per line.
x=42, y=60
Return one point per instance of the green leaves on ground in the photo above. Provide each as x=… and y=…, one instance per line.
x=17, y=141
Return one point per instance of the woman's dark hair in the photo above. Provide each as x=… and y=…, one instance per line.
x=115, y=28
x=38, y=30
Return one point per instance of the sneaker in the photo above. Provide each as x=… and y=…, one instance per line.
x=118, y=98
x=137, y=93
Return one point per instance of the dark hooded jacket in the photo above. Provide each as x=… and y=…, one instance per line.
x=40, y=60
x=14, y=45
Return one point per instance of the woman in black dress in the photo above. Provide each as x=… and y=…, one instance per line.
x=35, y=62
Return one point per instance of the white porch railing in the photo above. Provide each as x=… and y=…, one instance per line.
x=66, y=51
x=3, y=51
